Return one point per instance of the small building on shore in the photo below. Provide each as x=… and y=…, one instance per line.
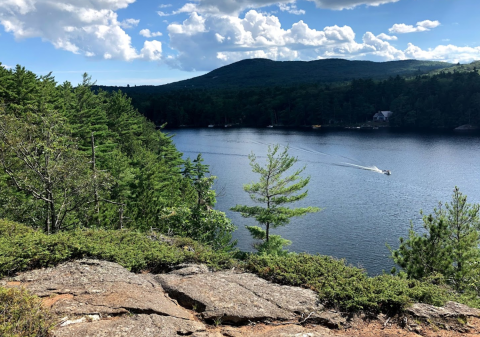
x=382, y=116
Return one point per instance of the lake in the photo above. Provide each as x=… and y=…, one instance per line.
x=362, y=209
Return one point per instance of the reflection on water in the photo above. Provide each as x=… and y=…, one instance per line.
x=362, y=210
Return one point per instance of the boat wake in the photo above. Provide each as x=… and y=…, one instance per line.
x=367, y=168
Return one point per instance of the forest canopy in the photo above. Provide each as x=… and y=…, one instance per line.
x=71, y=158
x=444, y=100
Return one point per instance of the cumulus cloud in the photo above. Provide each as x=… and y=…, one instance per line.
x=204, y=42
x=90, y=27
x=208, y=41
x=449, y=53
x=148, y=33
x=384, y=36
x=422, y=26
x=152, y=50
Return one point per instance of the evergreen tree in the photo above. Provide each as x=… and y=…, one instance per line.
x=42, y=161
x=449, y=247
x=274, y=190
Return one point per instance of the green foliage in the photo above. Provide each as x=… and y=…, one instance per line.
x=274, y=246
x=445, y=100
x=22, y=248
x=345, y=287
x=274, y=191
x=72, y=158
x=338, y=285
x=449, y=246
x=262, y=72
x=41, y=160
x=22, y=315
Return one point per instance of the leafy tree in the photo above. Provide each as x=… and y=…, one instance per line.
x=450, y=245
x=274, y=190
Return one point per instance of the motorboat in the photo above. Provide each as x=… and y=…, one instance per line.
x=387, y=172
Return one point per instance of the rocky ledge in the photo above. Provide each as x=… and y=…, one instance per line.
x=98, y=298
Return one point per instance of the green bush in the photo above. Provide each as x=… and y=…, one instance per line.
x=347, y=288
x=337, y=284
x=22, y=314
x=22, y=248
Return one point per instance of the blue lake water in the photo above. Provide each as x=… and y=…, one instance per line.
x=362, y=208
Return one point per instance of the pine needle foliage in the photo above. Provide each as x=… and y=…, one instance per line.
x=449, y=245
x=275, y=189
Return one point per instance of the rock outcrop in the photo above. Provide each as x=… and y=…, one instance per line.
x=101, y=299
x=450, y=310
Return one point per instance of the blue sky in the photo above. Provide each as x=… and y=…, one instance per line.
x=138, y=42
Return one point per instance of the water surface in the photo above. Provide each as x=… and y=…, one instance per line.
x=362, y=208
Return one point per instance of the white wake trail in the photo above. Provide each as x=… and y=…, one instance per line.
x=368, y=168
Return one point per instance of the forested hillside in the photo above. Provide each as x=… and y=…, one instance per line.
x=260, y=73
x=445, y=100
x=71, y=158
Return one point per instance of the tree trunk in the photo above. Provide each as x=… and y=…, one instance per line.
x=95, y=190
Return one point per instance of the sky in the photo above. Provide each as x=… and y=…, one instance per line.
x=153, y=42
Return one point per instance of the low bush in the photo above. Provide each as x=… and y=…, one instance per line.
x=22, y=248
x=348, y=288
x=22, y=314
x=338, y=285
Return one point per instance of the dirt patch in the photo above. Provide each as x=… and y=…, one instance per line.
x=48, y=302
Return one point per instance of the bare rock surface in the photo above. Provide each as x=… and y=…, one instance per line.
x=450, y=310
x=138, y=326
x=100, y=299
x=99, y=287
x=243, y=297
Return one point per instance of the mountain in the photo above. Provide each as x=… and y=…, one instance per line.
x=267, y=73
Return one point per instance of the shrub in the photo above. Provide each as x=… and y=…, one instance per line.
x=22, y=248
x=22, y=314
x=347, y=288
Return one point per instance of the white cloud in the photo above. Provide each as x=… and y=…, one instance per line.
x=129, y=23
x=349, y=4
x=448, y=53
x=292, y=9
x=187, y=8
x=208, y=41
x=89, y=27
x=421, y=26
x=148, y=33
x=5, y=66
x=234, y=7
x=205, y=42
x=152, y=50
x=165, y=6
x=384, y=36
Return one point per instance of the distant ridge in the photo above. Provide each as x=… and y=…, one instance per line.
x=264, y=73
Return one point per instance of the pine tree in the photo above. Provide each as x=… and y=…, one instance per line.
x=274, y=190
x=449, y=246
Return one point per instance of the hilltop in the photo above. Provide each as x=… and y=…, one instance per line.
x=268, y=73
